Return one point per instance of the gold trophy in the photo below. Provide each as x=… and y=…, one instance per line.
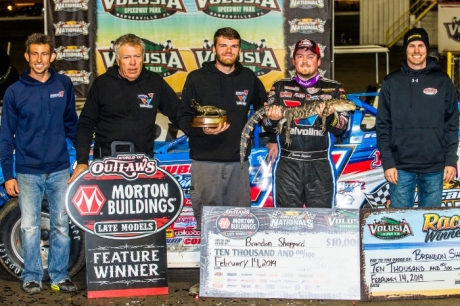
x=207, y=116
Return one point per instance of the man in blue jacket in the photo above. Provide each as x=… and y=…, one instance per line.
x=38, y=115
x=417, y=126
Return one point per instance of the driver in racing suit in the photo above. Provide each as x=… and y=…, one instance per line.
x=304, y=174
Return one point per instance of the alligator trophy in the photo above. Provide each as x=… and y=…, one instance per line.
x=207, y=115
x=290, y=114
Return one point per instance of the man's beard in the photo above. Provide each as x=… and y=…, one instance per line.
x=226, y=61
x=305, y=76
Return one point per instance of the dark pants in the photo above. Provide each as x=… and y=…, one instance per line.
x=219, y=184
x=304, y=183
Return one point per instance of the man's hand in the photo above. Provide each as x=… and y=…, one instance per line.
x=274, y=113
x=320, y=109
x=391, y=175
x=272, y=151
x=11, y=187
x=78, y=169
x=219, y=129
x=449, y=173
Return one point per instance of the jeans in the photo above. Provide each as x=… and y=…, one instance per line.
x=31, y=190
x=429, y=189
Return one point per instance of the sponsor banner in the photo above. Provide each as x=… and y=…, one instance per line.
x=280, y=253
x=309, y=19
x=412, y=253
x=179, y=33
x=124, y=197
x=125, y=204
x=448, y=26
x=72, y=26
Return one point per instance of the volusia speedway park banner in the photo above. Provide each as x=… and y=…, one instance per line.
x=179, y=33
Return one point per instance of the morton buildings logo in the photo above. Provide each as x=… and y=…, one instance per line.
x=452, y=29
x=138, y=10
x=161, y=58
x=124, y=197
x=237, y=9
x=89, y=200
x=256, y=56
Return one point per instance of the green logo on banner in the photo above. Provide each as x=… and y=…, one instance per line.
x=255, y=56
x=140, y=10
x=161, y=58
x=237, y=9
x=389, y=228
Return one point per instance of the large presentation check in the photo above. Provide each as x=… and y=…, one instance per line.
x=280, y=253
x=411, y=252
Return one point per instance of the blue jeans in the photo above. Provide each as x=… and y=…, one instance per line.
x=31, y=190
x=429, y=189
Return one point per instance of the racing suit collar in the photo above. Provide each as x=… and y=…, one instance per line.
x=309, y=82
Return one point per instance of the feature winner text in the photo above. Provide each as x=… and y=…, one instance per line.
x=125, y=264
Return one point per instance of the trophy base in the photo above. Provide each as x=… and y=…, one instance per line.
x=207, y=121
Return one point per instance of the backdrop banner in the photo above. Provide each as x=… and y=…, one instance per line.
x=179, y=34
x=72, y=25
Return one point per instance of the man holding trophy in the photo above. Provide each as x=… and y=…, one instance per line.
x=215, y=103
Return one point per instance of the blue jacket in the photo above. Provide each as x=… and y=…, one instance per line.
x=37, y=117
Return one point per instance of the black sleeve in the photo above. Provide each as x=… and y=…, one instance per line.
x=169, y=103
x=86, y=124
x=185, y=113
x=270, y=125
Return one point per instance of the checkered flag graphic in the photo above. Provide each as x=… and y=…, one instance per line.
x=380, y=196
